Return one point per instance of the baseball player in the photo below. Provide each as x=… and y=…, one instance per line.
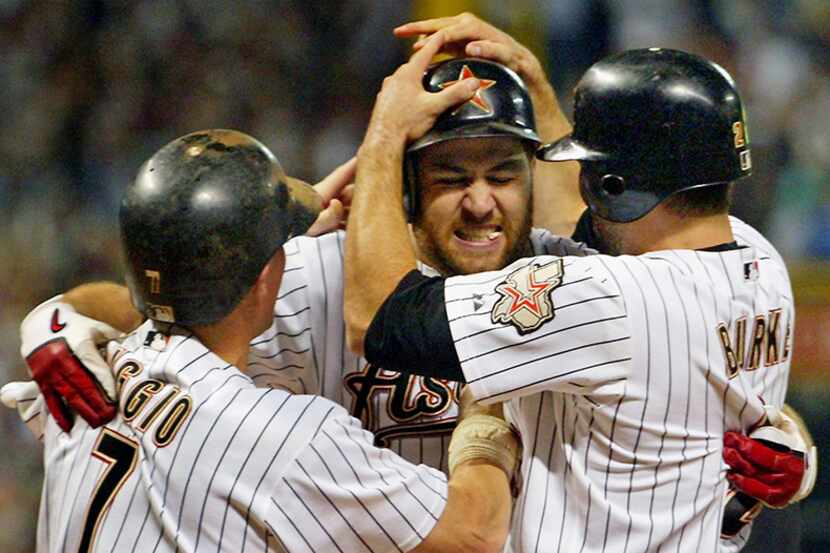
x=304, y=351
x=604, y=359
x=766, y=480
x=200, y=458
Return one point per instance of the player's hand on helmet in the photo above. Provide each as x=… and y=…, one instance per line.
x=775, y=464
x=61, y=348
x=336, y=191
x=467, y=35
x=404, y=109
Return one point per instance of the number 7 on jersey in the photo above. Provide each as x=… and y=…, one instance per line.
x=120, y=453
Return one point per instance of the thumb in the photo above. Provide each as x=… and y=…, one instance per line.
x=328, y=220
x=92, y=360
x=455, y=94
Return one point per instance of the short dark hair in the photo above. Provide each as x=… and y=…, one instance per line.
x=706, y=200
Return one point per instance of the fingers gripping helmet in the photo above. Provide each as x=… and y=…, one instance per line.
x=500, y=107
x=650, y=123
x=201, y=220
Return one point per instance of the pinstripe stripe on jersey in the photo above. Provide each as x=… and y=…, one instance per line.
x=687, y=347
x=557, y=429
x=590, y=484
x=644, y=402
x=700, y=484
x=325, y=313
x=344, y=350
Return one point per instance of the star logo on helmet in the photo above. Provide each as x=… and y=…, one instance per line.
x=477, y=100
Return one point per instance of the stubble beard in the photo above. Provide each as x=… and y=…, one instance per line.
x=436, y=255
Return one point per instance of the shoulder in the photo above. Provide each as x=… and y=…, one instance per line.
x=747, y=235
x=172, y=357
x=318, y=262
x=313, y=274
x=322, y=248
x=766, y=253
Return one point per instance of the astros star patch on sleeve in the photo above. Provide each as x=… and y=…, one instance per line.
x=525, y=300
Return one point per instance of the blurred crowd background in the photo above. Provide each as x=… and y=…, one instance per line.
x=91, y=88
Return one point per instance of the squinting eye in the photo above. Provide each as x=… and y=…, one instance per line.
x=451, y=182
x=500, y=180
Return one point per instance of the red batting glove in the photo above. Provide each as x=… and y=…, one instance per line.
x=777, y=463
x=60, y=347
x=770, y=475
x=62, y=377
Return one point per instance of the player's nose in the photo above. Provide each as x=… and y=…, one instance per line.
x=478, y=199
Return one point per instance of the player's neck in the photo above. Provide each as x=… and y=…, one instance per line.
x=664, y=230
x=229, y=339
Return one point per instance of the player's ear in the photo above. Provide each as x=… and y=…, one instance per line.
x=268, y=282
x=265, y=287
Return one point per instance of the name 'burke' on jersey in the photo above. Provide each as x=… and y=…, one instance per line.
x=765, y=340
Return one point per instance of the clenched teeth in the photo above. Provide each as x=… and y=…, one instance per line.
x=478, y=234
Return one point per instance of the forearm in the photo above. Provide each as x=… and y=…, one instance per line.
x=107, y=302
x=551, y=123
x=378, y=248
x=477, y=515
x=483, y=454
x=557, y=203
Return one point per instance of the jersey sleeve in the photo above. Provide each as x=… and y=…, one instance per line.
x=410, y=332
x=341, y=493
x=544, y=323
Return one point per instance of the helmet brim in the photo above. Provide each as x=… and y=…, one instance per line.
x=484, y=130
x=568, y=148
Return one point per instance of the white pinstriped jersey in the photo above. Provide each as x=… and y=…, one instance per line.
x=623, y=373
x=410, y=414
x=199, y=459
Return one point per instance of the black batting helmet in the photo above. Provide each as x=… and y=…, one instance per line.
x=650, y=123
x=201, y=220
x=500, y=107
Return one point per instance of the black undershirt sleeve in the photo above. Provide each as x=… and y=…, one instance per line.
x=410, y=333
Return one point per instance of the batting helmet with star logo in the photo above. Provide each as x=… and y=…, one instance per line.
x=500, y=107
